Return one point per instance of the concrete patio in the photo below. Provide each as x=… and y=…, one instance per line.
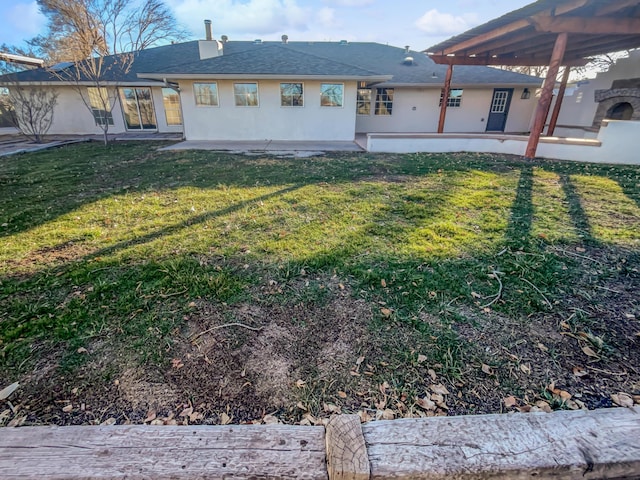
x=279, y=148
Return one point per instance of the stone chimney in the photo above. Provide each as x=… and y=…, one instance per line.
x=209, y=48
x=285, y=39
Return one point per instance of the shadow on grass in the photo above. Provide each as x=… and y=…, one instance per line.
x=521, y=217
x=576, y=211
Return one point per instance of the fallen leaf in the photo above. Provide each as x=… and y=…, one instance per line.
x=543, y=406
x=151, y=416
x=589, y=351
x=186, y=412
x=542, y=347
x=82, y=350
x=359, y=360
x=5, y=392
x=425, y=403
x=383, y=283
x=422, y=358
x=226, y=419
x=441, y=389
x=342, y=394
x=331, y=408
x=177, y=363
x=436, y=397
x=67, y=408
x=476, y=295
x=510, y=401
x=432, y=374
x=580, y=249
x=364, y=416
x=487, y=369
x=270, y=420
x=108, y=422
x=385, y=311
x=580, y=372
x=526, y=369
x=300, y=383
x=388, y=414
x=17, y=421
x=622, y=399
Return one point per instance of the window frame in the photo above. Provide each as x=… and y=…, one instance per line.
x=292, y=96
x=341, y=96
x=240, y=95
x=380, y=101
x=108, y=114
x=362, y=103
x=178, y=109
x=452, y=102
x=206, y=105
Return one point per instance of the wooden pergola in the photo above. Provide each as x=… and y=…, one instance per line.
x=547, y=32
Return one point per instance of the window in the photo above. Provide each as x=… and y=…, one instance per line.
x=384, y=101
x=5, y=108
x=100, y=105
x=137, y=106
x=246, y=94
x=206, y=94
x=291, y=95
x=171, y=101
x=364, y=101
x=455, y=97
x=331, y=94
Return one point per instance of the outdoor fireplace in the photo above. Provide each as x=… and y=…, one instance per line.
x=620, y=102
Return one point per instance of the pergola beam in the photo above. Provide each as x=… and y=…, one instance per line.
x=594, y=26
x=477, y=40
x=528, y=61
x=546, y=94
x=559, y=99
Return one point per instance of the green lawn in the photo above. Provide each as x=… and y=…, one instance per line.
x=368, y=281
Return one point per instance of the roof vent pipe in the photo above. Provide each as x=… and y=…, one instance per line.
x=207, y=30
x=285, y=39
x=406, y=49
x=224, y=39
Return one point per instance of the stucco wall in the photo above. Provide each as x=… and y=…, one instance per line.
x=579, y=108
x=269, y=121
x=613, y=145
x=72, y=117
x=470, y=117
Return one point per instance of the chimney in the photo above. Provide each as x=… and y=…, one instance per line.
x=285, y=39
x=224, y=39
x=406, y=49
x=209, y=48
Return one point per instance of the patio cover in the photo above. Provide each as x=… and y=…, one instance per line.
x=547, y=32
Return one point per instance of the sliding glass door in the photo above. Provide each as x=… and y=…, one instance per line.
x=137, y=106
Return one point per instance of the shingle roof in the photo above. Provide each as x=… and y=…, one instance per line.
x=301, y=58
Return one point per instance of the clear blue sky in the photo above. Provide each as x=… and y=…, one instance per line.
x=419, y=24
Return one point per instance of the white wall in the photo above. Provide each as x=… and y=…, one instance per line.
x=615, y=144
x=579, y=108
x=72, y=117
x=269, y=121
x=470, y=117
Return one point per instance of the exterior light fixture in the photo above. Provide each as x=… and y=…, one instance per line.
x=433, y=75
x=526, y=94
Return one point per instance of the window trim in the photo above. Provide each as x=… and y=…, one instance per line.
x=386, y=103
x=303, y=97
x=358, y=102
x=332, y=106
x=257, y=105
x=204, y=105
x=457, y=99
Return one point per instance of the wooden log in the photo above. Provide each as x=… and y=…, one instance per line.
x=346, y=451
x=602, y=444
x=163, y=452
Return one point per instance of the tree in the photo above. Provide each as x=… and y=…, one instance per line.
x=100, y=39
x=29, y=109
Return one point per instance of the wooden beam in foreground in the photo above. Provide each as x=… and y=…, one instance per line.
x=559, y=99
x=498, y=61
x=546, y=94
x=445, y=99
x=593, y=26
x=577, y=445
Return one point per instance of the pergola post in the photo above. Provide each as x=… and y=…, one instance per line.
x=445, y=99
x=559, y=99
x=547, y=92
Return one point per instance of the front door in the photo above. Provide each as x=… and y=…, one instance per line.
x=499, y=109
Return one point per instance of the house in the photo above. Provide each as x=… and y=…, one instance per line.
x=257, y=90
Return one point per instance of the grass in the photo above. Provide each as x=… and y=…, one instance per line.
x=112, y=258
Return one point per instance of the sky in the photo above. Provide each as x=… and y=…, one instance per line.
x=419, y=24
